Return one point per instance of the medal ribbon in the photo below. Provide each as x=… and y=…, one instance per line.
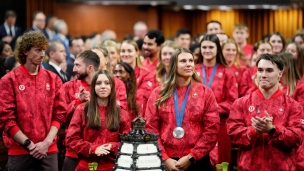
x=205, y=76
x=165, y=77
x=180, y=114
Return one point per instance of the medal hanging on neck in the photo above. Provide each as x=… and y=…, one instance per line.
x=204, y=75
x=179, y=132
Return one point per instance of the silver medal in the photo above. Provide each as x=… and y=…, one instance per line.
x=178, y=132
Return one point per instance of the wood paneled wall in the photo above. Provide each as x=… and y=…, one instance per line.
x=83, y=19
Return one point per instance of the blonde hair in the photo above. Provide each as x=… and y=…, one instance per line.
x=169, y=85
x=106, y=55
x=112, y=43
x=138, y=61
x=160, y=68
x=239, y=52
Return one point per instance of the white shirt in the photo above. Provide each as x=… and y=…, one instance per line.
x=7, y=29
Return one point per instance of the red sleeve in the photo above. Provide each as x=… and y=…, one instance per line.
x=245, y=83
x=72, y=102
x=144, y=88
x=240, y=133
x=74, y=134
x=289, y=136
x=230, y=93
x=7, y=105
x=121, y=96
x=153, y=120
x=59, y=108
x=124, y=127
x=210, y=129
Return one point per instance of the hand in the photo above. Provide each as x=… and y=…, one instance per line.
x=7, y=39
x=84, y=95
x=183, y=163
x=262, y=124
x=41, y=149
x=63, y=66
x=170, y=165
x=103, y=150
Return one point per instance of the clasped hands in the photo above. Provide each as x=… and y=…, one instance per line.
x=262, y=125
x=103, y=150
x=39, y=150
x=180, y=165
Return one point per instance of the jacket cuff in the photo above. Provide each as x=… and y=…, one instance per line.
x=165, y=156
x=93, y=149
x=56, y=124
x=251, y=133
x=194, y=156
x=77, y=102
x=12, y=131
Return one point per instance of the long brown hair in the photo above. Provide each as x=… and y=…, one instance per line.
x=219, y=55
x=169, y=85
x=291, y=72
x=92, y=109
x=161, y=68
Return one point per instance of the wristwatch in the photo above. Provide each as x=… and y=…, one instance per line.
x=26, y=143
x=192, y=160
x=272, y=131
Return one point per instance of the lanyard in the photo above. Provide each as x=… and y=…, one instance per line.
x=165, y=77
x=205, y=76
x=180, y=114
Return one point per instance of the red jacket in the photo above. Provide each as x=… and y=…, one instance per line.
x=32, y=104
x=201, y=122
x=238, y=73
x=223, y=86
x=299, y=97
x=265, y=152
x=72, y=89
x=145, y=84
x=79, y=138
x=247, y=84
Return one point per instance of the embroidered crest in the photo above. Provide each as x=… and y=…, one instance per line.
x=149, y=84
x=76, y=95
x=251, y=108
x=118, y=102
x=21, y=87
x=302, y=121
x=236, y=73
x=220, y=75
x=281, y=111
x=194, y=95
x=47, y=86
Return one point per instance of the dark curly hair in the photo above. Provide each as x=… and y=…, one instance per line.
x=32, y=39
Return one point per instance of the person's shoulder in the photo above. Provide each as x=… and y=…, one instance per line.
x=11, y=75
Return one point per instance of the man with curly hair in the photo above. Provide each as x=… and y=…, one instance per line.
x=32, y=107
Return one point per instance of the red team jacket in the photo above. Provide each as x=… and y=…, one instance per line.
x=201, y=122
x=247, y=84
x=79, y=138
x=144, y=88
x=72, y=89
x=32, y=104
x=224, y=87
x=299, y=97
x=265, y=152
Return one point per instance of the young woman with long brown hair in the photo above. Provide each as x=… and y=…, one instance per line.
x=95, y=127
x=185, y=115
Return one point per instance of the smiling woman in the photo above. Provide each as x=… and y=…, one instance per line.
x=173, y=112
x=98, y=140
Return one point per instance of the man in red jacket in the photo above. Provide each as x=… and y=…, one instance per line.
x=266, y=124
x=32, y=108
